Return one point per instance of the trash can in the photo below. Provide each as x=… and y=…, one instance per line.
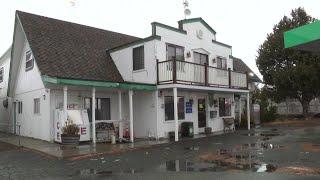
x=187, y=129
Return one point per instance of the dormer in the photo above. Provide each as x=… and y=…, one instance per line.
x=197, y=27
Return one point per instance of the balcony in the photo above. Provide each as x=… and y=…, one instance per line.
x=183, y=72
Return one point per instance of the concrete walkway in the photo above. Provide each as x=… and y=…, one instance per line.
x=84, y=150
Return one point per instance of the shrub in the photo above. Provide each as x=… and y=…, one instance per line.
x=70, y=129
x=268, y=114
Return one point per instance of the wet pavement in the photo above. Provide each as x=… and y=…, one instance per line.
x=271, y=152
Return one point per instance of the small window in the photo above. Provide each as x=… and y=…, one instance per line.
x=138, y=58
x=175, y=52
x=224, y=107
x=1, y=74
x=20, y=107
x=221, y=63
x=169, y=109
x=29, y=60
x=200, y=58
x=36, y=106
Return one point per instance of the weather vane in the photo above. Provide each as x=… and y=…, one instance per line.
x=187, y=11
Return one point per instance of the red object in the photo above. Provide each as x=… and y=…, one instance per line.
x=83, y=130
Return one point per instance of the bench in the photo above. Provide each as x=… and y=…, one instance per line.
x=228, y=124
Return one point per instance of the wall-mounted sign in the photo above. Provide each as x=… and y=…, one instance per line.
x=188, y=107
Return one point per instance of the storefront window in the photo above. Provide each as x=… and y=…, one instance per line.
x=102, y=108
x=224, y=107
x=169, y=111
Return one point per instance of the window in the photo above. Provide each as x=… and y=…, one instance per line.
x=1, y=74
x=221, y=63
x=20, y=107
x=200, y=58
x=138, y=58
x=102, y=108
x=29, y=60
x=224, y=107
x=168, y=106
x=175, y=52
x=36, y=106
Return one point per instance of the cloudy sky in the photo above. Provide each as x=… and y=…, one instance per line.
x=244, y=24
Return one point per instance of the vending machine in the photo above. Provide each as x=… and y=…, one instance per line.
x=78, y=117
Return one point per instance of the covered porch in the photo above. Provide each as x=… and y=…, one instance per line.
x=114, y=104
x=205, y=107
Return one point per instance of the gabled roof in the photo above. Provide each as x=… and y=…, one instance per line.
x=240, y=66
x=6, y=53
x=199, y=19
x=69, y=50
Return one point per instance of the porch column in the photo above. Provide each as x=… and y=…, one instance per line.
x=120, y=115
x=131, y=115
x=248, y=110
x=175, y=110
x=240, y=110
x=65, y=102
x=93, y=115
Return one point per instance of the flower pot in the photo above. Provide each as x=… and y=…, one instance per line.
x=70, y=140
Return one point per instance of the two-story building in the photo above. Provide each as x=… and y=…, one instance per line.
x=145, y=86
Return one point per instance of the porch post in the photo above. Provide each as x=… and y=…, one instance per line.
x=120, y=115
x=65, y=102
x=131, y=115
x=248, y=110
x=175, y=110
x=93, y=115
x=240, y=110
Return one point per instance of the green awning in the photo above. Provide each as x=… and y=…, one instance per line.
x=306, y=37
x=101, y=84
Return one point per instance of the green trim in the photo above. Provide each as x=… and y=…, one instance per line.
x=302, y=35
x=222, y=44
x=185, y=21
x=150, y=38
x=155, y=24
x=76, y=82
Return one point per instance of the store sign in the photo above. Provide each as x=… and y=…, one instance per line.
x=83, y=130
x=188, y=107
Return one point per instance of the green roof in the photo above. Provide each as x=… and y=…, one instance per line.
x=306, y=37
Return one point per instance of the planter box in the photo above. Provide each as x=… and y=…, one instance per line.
x=70, y=140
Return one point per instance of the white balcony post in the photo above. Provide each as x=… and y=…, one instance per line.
x=131, y=114
x=120, y=115
x=175, y=110
x=65, y=102
x=93, y=115
x=248, y=110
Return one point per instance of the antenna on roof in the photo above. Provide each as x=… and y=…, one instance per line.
x=187, y=11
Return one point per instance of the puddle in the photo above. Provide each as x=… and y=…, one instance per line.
x=95, y=172
x=193, y=148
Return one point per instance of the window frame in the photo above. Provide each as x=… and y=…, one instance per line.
x=1, y=74
x=89, y=110
x=133, y=58
x=224, y=113
x=181, y=115
x=175, y=47
x=28, y=60
x=36, y=106
x=222, y=59
x=201, y=55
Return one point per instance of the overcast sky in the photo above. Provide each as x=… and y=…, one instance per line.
x=243, y=24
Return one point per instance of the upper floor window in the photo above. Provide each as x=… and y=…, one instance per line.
x=175, y=52
x=138, y=58
x=221, y=63
x=29, y=60
x=1, y=74
x=200, y=58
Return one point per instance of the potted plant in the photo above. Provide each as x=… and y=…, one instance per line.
x=70, y=134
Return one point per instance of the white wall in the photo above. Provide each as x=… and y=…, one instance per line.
x=124, y=62
x=4, y=112
x=215, y=123
x=28, y=86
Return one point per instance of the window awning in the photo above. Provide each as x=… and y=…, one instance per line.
x=306, y=37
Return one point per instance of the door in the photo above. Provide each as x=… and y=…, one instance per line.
x=199, y=70
x=202, y=120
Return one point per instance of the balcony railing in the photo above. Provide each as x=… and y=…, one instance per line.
x=183, y=72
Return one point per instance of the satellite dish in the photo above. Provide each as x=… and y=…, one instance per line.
x=187, y=12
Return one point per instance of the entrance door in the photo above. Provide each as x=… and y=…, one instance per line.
x=202, y=120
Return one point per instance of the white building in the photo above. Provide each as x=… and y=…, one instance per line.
x=4, y=101
x=149, y=85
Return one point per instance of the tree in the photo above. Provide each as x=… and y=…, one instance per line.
x=292, y=73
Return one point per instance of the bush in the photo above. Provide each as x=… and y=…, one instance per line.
x=70, y=129
x=268, y=114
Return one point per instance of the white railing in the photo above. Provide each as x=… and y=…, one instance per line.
x=190, y=72
x=165, y=71
x=218, y=77
x=238, y=80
